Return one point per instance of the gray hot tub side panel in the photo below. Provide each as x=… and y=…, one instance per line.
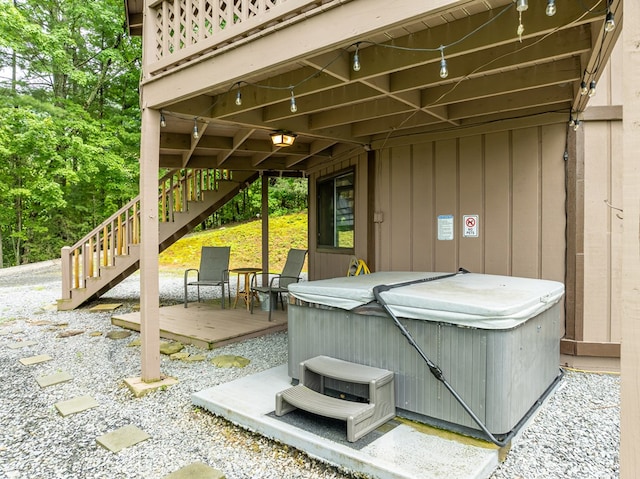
x=498, y=373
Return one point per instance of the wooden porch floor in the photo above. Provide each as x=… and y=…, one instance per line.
x=207, y=325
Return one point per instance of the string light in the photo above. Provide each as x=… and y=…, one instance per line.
x=520, y=5
x=583, y=88
x=551, y=8
x=576, y=125
x=609, y=24
x=163, y=122
x=444, y=71
x=592, y=88
x=294, y=107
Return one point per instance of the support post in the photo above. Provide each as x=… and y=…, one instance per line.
x=150, y=238
x=265, y=229
x=630, y=346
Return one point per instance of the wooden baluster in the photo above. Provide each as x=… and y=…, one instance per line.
x=163, y=203
x=90, y=258
x=76, y=269
x=135, y=233
x=120, y=236
x=105, y=247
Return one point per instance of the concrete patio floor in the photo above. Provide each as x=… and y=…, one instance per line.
x=398, y=449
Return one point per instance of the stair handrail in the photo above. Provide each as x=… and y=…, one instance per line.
x=114, y=236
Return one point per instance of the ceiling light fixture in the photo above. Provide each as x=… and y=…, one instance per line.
x=282, y=138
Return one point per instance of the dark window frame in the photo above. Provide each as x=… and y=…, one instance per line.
x=330, y=191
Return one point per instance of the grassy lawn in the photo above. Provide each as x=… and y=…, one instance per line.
x=285, y=232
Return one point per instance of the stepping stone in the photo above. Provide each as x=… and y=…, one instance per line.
x=69, y=333
x=139, y=387
x=170, y=348
x=72, y=406
x=118, y=334
x=230, y=361
x=41, y=358
x=41, y=322
x=53, y=379
x=197, y=470
x=22, y=344
x=105, y=307
x=127, y=436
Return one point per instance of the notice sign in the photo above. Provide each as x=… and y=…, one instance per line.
x=445, y=227
x=470, y=226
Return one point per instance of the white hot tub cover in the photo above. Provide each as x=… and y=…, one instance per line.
x=474, y=300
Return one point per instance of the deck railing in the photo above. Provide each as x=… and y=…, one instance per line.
x=113, y=237
x=185, y=29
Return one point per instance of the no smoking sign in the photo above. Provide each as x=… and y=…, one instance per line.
x=470, y=226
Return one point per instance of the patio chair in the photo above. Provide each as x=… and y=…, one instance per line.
x=213, y=271
x=279, y=282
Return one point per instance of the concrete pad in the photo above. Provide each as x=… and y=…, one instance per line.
x=21, y=344
x=406, y=451
x=53, y=379
x=197, y=470
x=105, y=307
x=75, y=405
x=127, y=436
x=41, y=358
x=139, y=388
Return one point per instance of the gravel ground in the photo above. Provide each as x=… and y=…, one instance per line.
x=574, y=435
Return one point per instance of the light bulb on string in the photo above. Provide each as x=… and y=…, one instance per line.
x=195, y=129
x=592, y=88
x=609, y=24
x=294, y=107
x=356, y=59
x=583, y=88
x=163, y=122
x=444, y=71
x=576, y=125
x=238, y=98
x=522, y=5
x=551, y=8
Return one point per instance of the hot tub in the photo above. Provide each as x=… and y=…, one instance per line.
x=495, y=338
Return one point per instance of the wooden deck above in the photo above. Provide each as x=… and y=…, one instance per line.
x=207, y=326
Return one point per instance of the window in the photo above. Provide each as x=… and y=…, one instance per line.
x=335, y=211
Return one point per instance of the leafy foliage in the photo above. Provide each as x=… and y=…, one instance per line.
x=69, y=122
x=285, y=232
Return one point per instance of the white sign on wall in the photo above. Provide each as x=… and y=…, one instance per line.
x=445, y=227
x=470, y=226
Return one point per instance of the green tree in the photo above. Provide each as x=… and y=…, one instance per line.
x=69, y=122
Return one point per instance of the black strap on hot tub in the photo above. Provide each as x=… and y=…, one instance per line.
x=434, y=368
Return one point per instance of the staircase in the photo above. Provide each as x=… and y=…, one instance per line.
x=111, y=252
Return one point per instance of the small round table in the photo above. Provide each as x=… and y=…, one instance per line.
x=246, y=292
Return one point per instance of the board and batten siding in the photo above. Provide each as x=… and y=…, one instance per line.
x=514, y=181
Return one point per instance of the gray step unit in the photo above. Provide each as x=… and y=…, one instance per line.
x=361, y=417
